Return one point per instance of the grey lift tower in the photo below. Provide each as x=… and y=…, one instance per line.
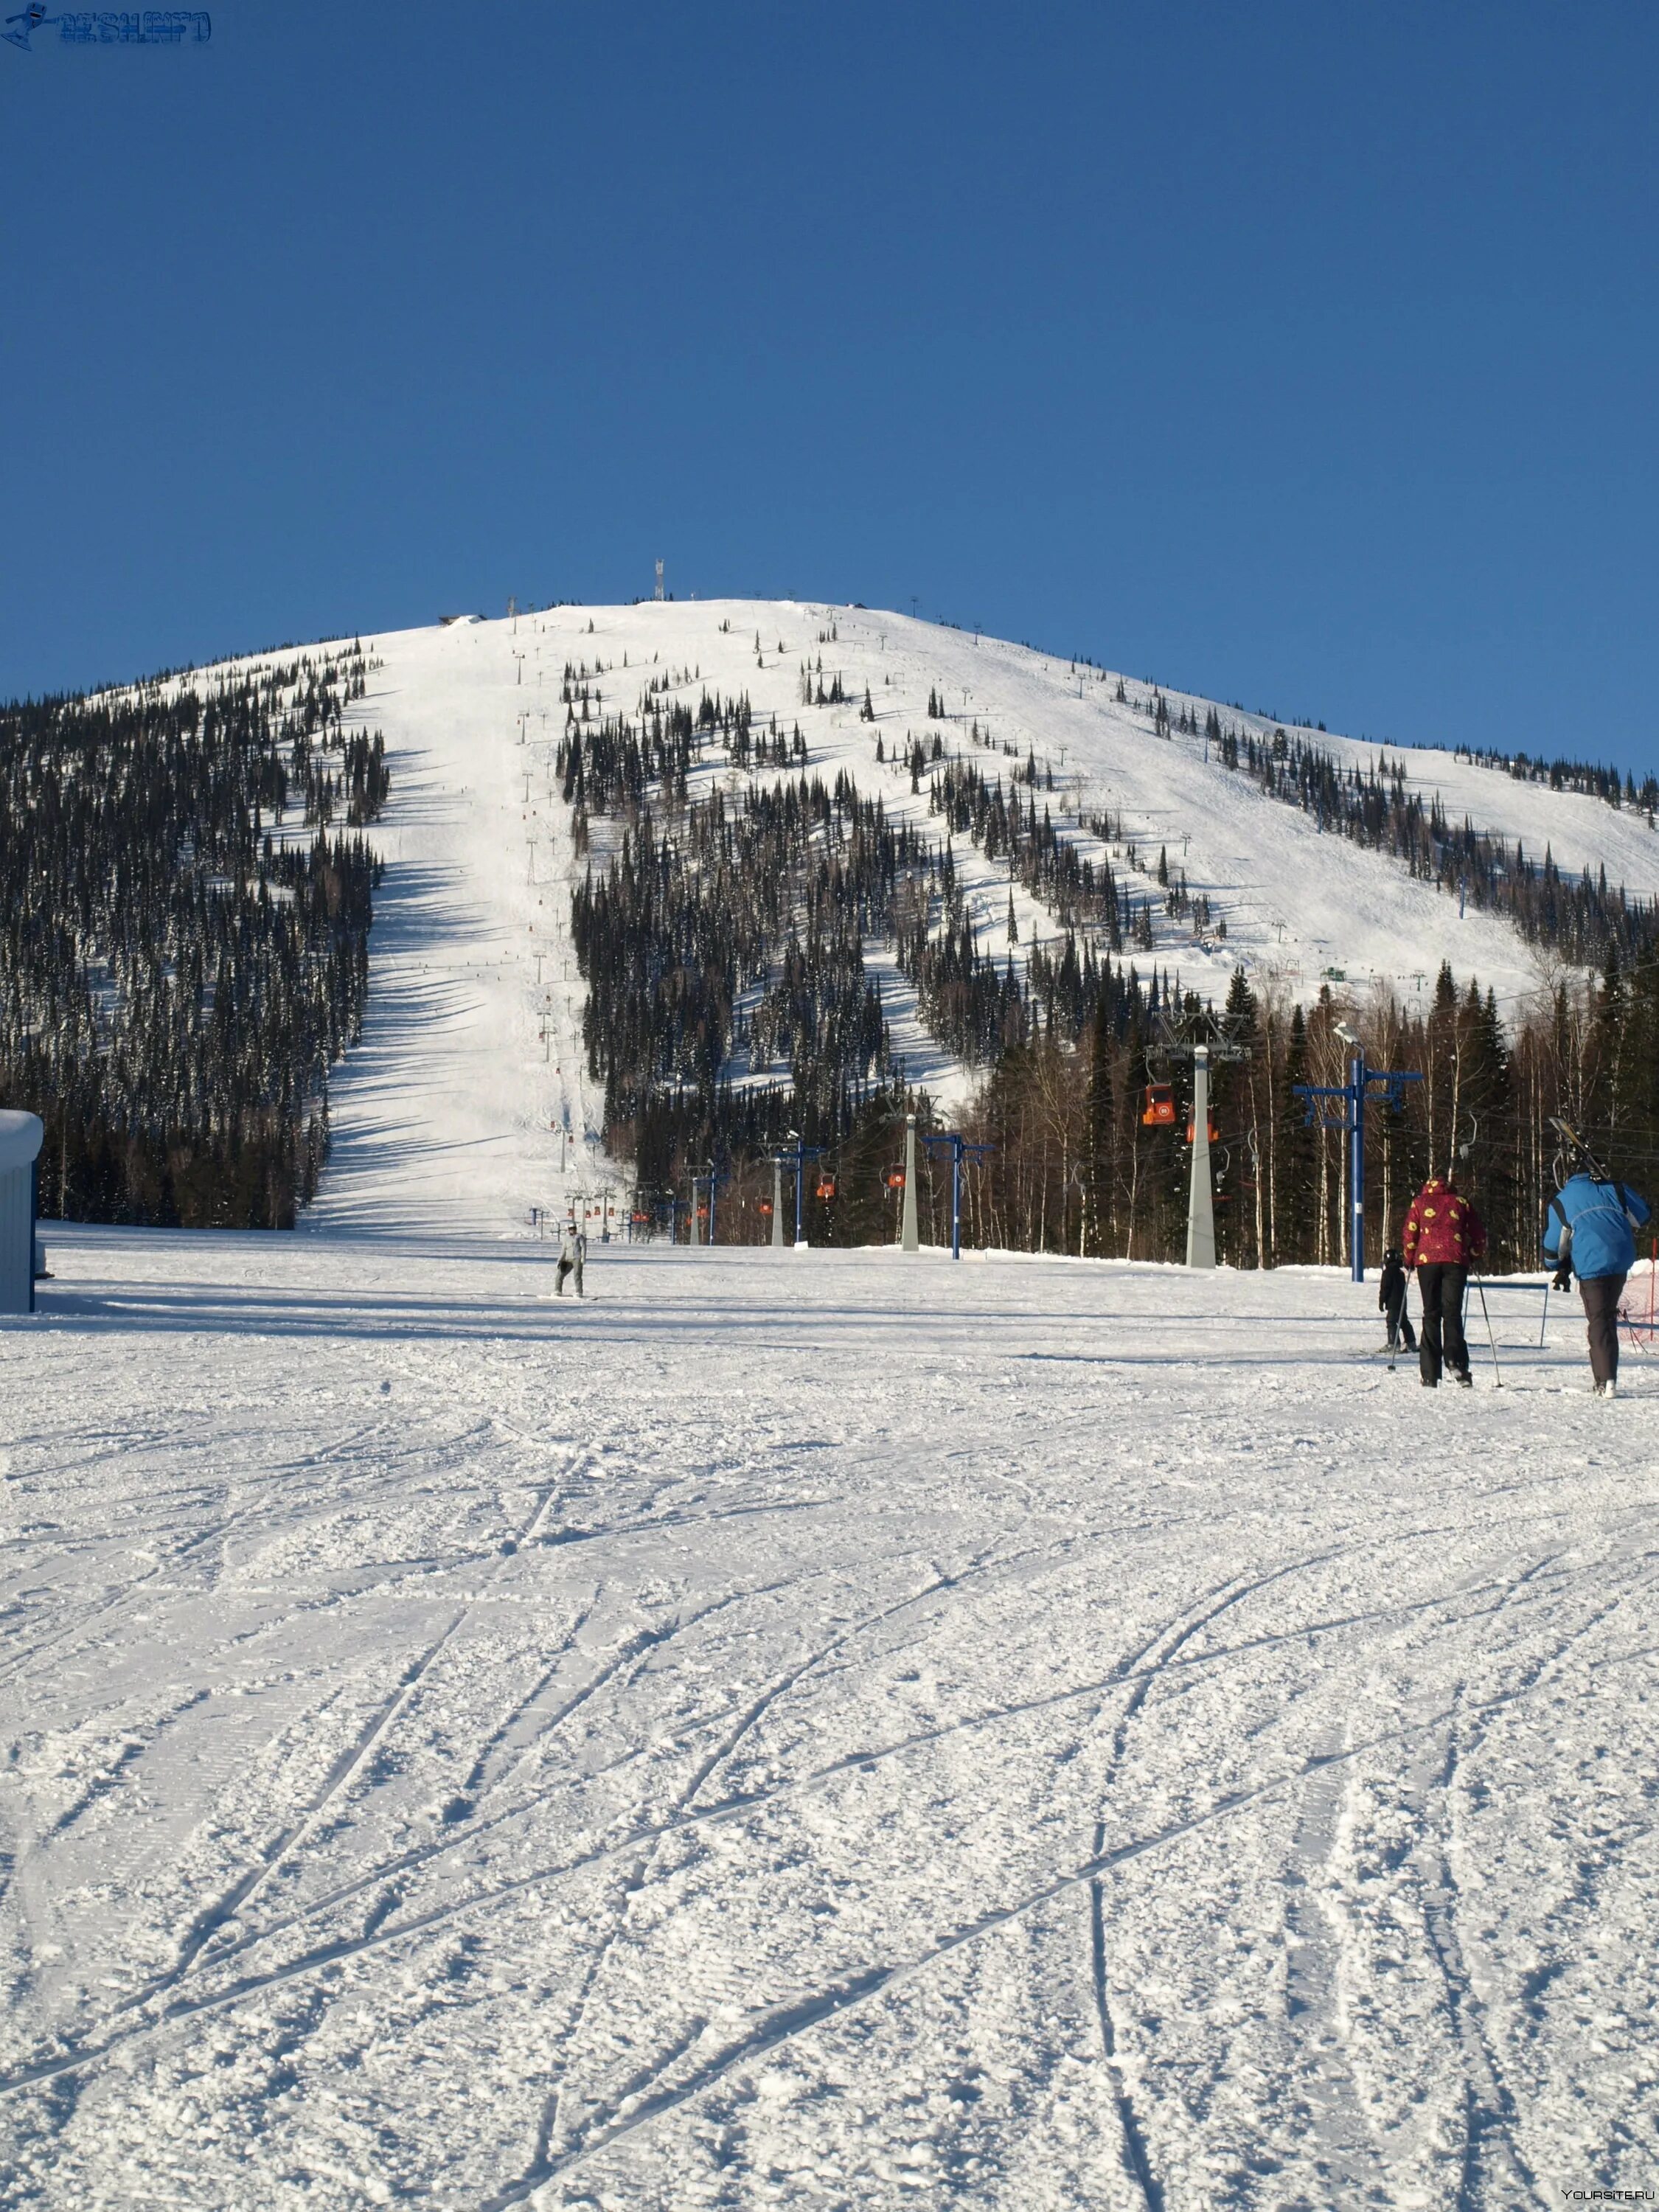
x=907, y=1234
x=1204, y=1038
x=1201, y=1195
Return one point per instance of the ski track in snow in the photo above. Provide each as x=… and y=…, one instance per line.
x=810, y=1728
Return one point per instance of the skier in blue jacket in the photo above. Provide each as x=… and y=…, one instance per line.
x=1589, y=1231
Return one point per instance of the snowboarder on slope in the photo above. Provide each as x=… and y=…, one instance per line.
x=572, y=1253
x=1443, y=1233
x=1589, y=1231
x=1391, y=1300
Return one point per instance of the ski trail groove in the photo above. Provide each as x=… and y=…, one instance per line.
x=88, y=2051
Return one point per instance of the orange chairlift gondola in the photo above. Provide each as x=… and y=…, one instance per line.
x=826, y=1186
x=1209, y=1120
x=1160, y=1111
x=896, y=1178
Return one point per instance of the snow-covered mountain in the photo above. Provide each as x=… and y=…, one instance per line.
x=468, y=1100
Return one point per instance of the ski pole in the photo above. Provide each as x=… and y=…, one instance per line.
x=1498, y=1373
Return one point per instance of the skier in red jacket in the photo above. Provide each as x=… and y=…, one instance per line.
x=1443, y=1233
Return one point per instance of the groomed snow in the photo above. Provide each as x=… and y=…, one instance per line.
x=822, y=1730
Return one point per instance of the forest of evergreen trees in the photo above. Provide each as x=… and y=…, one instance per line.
x=723, y=945
x=723, y=942
x=1594, y=781
x=1075, y=1169
x=186, y=899
x=1585, y=919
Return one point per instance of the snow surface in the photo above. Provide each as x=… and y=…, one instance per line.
x=815, y=1729
x=822, y=1728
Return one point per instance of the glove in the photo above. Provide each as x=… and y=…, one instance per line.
x=1562, y=1279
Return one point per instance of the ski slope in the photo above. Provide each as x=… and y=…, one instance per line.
x=469, y=1101
x=809, y=1729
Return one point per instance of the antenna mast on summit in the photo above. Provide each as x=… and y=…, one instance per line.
x=658, y=592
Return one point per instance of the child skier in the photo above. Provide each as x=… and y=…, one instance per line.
x=1391, y=1300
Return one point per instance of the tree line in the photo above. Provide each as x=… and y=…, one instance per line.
x=183, y=936
x=729, y=1001
x=1583, y=919
x=1073, y=1166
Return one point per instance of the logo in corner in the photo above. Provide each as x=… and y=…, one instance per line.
x=31, y=20
x=120, y=26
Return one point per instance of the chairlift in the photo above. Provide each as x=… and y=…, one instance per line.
x=826, y=1186
x=639, y=1219
x=896, y=1178
x=1209, y=1124
x=766, y=1205
x=1160, y=1110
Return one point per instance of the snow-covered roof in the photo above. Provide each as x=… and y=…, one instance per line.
x=21, y=1136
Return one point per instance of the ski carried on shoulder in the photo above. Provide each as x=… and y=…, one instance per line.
x=1577, y=1149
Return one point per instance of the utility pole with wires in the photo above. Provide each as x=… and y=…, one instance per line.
x=1350, y=1117
x=960, y=1151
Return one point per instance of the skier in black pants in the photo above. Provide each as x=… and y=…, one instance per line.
x=1443, y=1236
x=1391, y=1300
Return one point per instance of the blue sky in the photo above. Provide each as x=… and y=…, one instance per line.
x=1302, y=354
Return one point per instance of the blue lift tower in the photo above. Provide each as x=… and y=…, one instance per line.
x=1323, y=1113
x=960, y=1150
